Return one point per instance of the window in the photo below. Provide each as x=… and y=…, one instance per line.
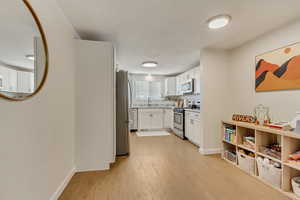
x=155, y=90
x=141, y=90
x=146, y=89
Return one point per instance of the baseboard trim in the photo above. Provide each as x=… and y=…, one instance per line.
x=102, y=168
x=63, y=185
x=210, y=151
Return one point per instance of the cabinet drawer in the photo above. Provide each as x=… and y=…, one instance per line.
x=194, y=116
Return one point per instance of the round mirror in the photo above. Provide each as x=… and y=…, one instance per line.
x=23, y=51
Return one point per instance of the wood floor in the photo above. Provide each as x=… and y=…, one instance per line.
x=168, y=168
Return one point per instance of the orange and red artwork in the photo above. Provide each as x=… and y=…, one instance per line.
x=278, y=69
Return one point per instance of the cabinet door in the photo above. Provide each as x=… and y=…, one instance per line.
x=25, y=82
x=157, y=119
x=171, y=86
x=197, y=80
x=192, y=73
x=196, y=132
x=144, y=119
x=179, y=83
x=166, y=87
x=4, y=75
x=13, y=80
x=168, y=118
x=188, y=127
x=133, y=119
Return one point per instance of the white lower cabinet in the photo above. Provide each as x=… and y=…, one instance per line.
x=192, y=127
x=13, y=80
x=157, y=121
x=150, y=118
x=144, y=119
x=168, y=118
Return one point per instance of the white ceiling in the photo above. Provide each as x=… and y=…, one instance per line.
x=172, y=32
x=17, y=31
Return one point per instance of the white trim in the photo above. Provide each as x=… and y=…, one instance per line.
x=100, y=168
x=63, y=185
x=210, y=151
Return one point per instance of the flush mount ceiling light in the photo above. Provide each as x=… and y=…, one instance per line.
x=218, y=21
x=30, y=57
x=149, y=77
x=149, y=64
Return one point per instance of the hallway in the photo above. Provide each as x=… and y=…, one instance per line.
x=167, y=168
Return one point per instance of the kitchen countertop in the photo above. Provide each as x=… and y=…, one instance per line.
x=193, y=110
x=151, y=107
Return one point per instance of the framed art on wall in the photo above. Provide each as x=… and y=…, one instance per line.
x=278, y=69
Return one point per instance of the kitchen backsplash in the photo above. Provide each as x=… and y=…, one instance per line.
x=171, y=101
x=154, y=103
x=187, y=97
x=192, y=98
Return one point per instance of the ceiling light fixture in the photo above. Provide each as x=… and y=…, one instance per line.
x=30, y=57
x=149, y=77
x=218, y=21
x=149, y=64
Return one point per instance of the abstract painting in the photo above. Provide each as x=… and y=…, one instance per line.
x=278, y=69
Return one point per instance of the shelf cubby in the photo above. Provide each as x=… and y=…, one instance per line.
x=243, y=132
x=264, y=139
x=230, y=148
x=246, y=148
x=291, y=145
x=288, y=174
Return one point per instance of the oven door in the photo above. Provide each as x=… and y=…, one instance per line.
x=178, y=121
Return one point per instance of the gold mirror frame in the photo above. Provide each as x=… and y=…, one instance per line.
x=38, y=23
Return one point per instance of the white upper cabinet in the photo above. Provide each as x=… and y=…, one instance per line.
x=178, y=83
x=187, y=76
x=197, y=80
x=170, y=86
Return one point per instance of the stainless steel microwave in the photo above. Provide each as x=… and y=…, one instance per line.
x=188, y=87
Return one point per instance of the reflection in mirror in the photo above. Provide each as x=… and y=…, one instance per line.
x=22, y=51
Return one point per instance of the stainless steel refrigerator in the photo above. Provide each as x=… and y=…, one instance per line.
x=122, y=116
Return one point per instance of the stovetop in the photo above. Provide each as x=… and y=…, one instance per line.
x=179, y=110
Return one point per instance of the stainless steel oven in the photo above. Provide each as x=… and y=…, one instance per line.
x=179, y=122
x=188, y=87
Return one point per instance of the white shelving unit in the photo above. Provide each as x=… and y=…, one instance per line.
x=263, y=135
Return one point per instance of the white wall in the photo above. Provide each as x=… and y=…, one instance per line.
x=228, y=85
x=215, y=94
x=283, y=104
x=36, y=140
x=94, y=105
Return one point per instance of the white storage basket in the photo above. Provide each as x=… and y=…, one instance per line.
x=247, y=163
x=269, y=173
x=296, y=185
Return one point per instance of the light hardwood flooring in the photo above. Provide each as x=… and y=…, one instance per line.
x=168, y=168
